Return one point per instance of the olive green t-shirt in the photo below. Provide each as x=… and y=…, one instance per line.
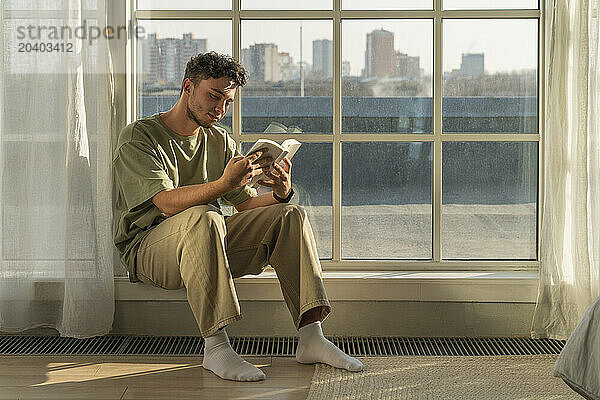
x=149, y=158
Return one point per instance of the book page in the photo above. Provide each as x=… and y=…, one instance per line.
x=273, y=148
x=287, y=149
x=291, y=145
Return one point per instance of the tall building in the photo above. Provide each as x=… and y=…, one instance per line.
x=407, y=67
x=472, y=64
x=379, y=55
x=187, y=48
x=164, y=60
x=261, y=60
x=247, y=62
x=288, y=70
x=149, y=60
x=346, y=68
x=323, y=57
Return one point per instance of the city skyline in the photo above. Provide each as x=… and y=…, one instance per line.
x=163, y=60
x=265, y=61
x=504, y=52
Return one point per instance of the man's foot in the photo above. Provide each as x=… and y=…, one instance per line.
x=220, y=358
x=313, y=347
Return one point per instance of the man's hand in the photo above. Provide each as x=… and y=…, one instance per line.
x=240, y=170
x=280, y=178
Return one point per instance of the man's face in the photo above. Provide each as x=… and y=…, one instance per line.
x=208, y=101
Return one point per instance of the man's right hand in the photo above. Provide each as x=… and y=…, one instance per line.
x=240, y=170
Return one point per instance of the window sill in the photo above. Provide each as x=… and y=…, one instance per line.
x=433, y=286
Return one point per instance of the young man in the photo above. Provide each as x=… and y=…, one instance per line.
x=170, y=170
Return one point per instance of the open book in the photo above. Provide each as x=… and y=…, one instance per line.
x=274, y=150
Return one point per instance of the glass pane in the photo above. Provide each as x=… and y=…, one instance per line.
x=489, y=200
x=34, y=72
x=184, y=5
x=312, y=174
x=387, y=5
x=489, y=4
x=386, y=200
x=47, y=5
x=289, y=84
x=287, y=5
x=386, y=79
x=34, y=4
x=490, y=76
x=164, y=48
x=19, y=37
x=22, y=226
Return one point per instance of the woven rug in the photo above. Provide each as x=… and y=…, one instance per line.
x=440, y=378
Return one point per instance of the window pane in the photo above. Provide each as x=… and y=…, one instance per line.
x=386, y=200
x=387, y=5
x=312, y=174
x=489, y=4
x=184, y=5
x=288, y=84
x=386, y=79
x=490, y=76
x=164, y=48
x=39, y=72
x=489, y=200
x=34, y=4
x=22, y=226
x=287, y=5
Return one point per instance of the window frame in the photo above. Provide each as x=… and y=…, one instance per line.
x=437, y=138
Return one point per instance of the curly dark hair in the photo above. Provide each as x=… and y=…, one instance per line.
x=214, y=65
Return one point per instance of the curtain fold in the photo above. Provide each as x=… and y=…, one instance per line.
x=56, y=250
x=570, y=262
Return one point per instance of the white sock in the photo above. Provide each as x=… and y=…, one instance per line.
x=313, y=347
x=220, y=358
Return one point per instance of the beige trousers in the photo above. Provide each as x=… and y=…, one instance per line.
x=202, y=250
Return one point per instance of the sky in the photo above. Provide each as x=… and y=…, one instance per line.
x=507, y=44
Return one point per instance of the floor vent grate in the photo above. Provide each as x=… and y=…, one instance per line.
x=276, y=346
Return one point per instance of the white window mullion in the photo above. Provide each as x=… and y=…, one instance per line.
x=132, y=64
x=541, y=119
x=427, y=265
x=236, y=120
x=436, y=195
x=2, y=85
x=337, y=130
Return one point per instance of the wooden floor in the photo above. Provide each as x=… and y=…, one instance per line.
x=147, y=377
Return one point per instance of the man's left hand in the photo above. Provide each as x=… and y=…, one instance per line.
x=280, y=178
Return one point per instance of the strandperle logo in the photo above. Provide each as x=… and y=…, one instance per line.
x=85, y=31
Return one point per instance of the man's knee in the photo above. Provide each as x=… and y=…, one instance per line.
x=293, y=212
x=206, y=217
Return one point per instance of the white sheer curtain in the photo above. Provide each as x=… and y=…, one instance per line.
x=570, y=252
x=56, y=246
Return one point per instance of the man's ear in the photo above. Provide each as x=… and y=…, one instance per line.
x=187, y=85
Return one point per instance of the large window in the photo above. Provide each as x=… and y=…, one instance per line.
x=420, y=120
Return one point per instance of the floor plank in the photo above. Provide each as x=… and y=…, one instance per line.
x=144, y=377
x=65, y=391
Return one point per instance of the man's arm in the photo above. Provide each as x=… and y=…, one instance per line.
x=238, y=172
x=172, y=201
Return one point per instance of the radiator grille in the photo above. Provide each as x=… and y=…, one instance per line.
x=276, y=346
